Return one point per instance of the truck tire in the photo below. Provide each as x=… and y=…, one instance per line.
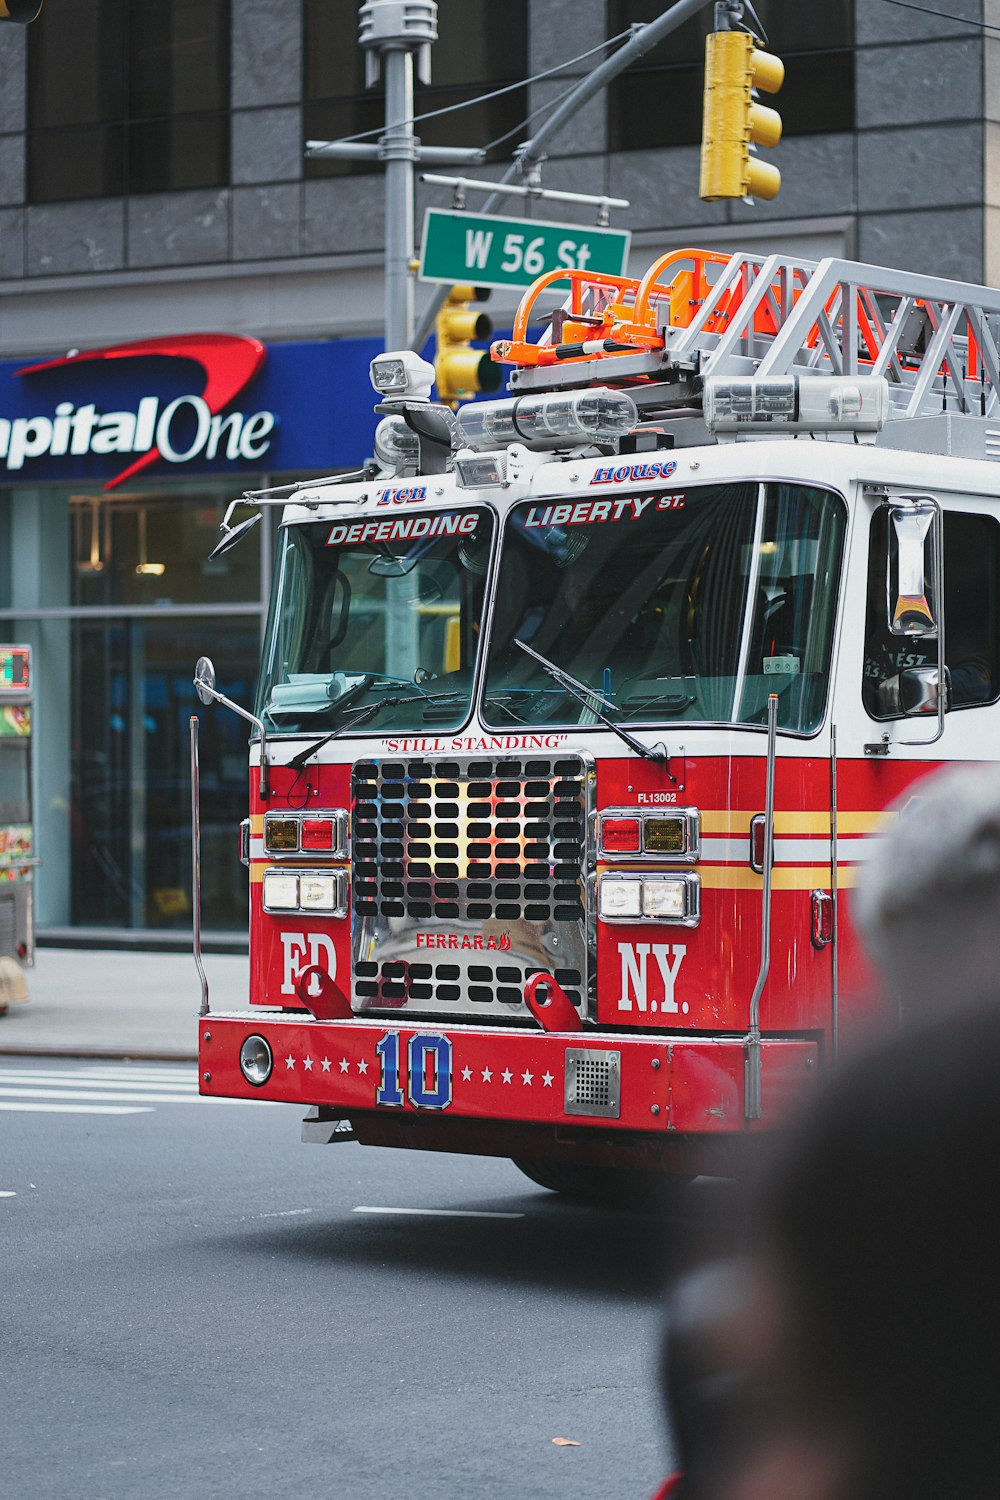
x=621, y=1187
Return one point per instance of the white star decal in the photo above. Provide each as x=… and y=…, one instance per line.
x=466, y=1074
x=307, y=1063
x=526, y=1077
x=487, y=1075
x=362, y=1066
x=325, y=1065
x=547, y=1080
x=290, y=1062
x=345, y=1066
x=506, y=1075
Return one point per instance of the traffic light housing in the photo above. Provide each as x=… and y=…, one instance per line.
x=734, y=121
x=20, y=10
x=461, y=371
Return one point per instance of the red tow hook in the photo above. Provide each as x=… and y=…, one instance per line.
x=320, y=995
x=550, y=1005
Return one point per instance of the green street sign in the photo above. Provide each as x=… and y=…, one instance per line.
x=486, y=251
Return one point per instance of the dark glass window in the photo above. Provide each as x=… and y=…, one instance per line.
x=664, y=606
x=130, y=793
x=481, y=46
x=971, y=618
x=659, y=101
x=127, y=97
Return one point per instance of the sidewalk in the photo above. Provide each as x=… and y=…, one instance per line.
x=103, y=1003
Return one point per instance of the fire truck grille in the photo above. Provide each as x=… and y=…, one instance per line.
x=467, y=878
x=395, y=983
x=490, y=840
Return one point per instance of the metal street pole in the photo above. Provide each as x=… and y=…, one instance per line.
x=400, y=154
x=393, y=32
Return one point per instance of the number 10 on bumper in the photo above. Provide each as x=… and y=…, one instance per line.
x=428, y=1071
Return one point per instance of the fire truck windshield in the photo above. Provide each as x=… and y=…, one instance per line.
x=691, y=605
x=365, y=609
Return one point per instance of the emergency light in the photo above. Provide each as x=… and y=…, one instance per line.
x=556, y=420
x=796, y=403
x=397, y=448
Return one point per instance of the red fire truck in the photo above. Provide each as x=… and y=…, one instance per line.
x=577, y=708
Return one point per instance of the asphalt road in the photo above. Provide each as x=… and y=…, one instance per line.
x=196, y=1305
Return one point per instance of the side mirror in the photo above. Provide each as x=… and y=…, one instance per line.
x=204, y=679
x=204, y=686
x=919, y=690
x=913, y=582
x=232, y=535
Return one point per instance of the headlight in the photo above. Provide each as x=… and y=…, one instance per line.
x=650, y=898
x=281, y=891
x=317, y=892
x=664, y=898
x=256, y=1061
x=620, y=897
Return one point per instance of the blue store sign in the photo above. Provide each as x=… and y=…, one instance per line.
x=208, y=403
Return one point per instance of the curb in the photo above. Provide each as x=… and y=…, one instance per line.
x=107, y=1054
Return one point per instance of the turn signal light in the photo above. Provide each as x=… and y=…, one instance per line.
x=281, y=835
x=665, y=836
x=620, y=835
x=627, y=833
x=294, y=833
x=318, y=833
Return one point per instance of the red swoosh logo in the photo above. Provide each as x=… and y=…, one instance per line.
x=229, y=362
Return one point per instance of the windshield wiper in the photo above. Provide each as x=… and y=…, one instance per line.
x=588, y=697
x=362, y=716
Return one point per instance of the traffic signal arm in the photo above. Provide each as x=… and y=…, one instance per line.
x=733, y=121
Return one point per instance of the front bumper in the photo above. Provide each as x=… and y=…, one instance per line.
x=662, y=1085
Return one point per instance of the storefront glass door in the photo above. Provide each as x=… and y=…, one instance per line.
x=130, y=803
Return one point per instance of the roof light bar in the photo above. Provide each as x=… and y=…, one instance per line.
x=557, y=419
x=793, y=403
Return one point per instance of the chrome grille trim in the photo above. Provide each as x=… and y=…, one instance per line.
x=468, y=876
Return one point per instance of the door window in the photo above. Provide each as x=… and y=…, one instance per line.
x=971, y=614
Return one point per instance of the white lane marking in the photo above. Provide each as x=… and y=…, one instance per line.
x=73, y=1109
x=438, y=1213
x=283, y=1213
x=4, y=1194
x=175, y=1075
x=88, y=1080
x=122, y=1096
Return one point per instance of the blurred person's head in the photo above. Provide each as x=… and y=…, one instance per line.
x=864, y=1349
x=928, y=899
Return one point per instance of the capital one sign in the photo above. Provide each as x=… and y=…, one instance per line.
x=193, y=426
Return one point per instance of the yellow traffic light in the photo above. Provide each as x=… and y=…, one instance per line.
x=20, y=10
x=733, y=120
x=461, y=371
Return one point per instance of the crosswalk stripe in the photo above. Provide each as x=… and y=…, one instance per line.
x=123, y=1096
x=175, y=1075
x=153, y=1075
x=73, y=1109
x=84, y=1080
